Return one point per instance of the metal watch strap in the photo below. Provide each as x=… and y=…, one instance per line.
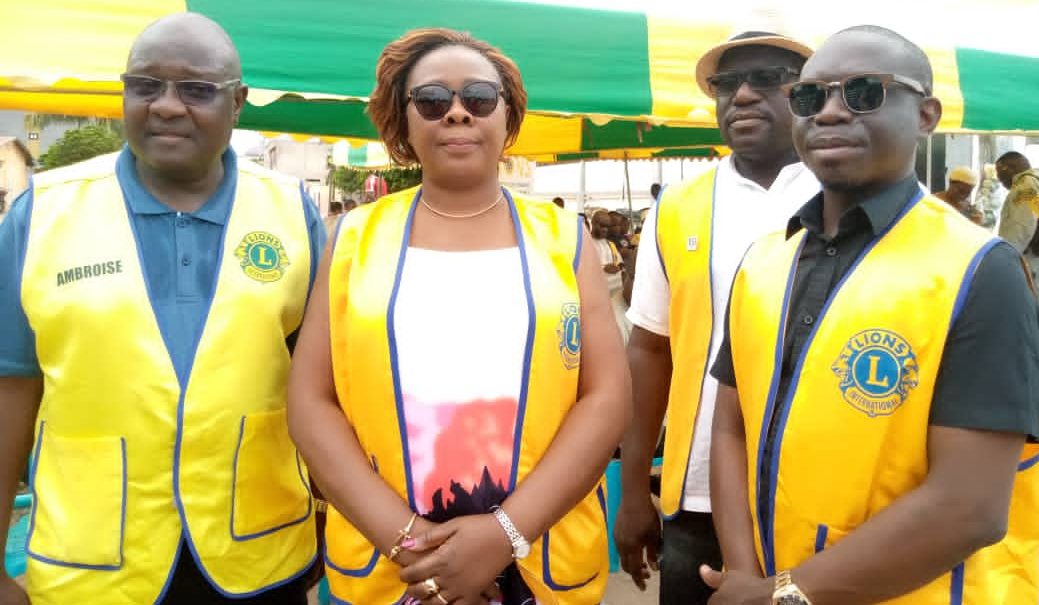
x=786, y=592
x=515, y=537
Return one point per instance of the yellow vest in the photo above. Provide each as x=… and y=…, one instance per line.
x=685, y=215
x=852, y=432
x=568, y=565
x=127, y=459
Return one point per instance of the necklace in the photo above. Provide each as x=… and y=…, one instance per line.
x=496, y=201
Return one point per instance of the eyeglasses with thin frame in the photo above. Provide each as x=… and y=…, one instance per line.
x=433, y=101
x=862, y=93
x=760, y=79
x=146, y=89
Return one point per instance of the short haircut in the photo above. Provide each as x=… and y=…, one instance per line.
x=388, y=105
x=335, y=206
x=918, y=63
x=1011, y=156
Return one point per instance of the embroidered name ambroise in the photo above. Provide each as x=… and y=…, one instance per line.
x=95, y=270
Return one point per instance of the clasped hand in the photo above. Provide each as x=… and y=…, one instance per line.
x=462, y=556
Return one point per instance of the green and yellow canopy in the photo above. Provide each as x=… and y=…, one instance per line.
x=597, y=80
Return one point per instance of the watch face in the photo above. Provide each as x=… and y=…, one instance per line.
x=521, y=551
x=790, y=599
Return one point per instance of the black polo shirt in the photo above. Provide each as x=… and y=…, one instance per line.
x=989, y=374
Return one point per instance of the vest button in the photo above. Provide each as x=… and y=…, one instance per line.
x=807, y=320
x=186, y=260
x=831, y=251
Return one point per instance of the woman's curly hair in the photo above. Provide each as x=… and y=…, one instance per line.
x=388, y=105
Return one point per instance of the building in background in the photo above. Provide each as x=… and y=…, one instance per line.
x=307, y=161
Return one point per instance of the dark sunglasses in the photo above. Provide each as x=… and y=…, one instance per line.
x=191, y=92
x=433, y=101
x=726, y=83
x=863, y=93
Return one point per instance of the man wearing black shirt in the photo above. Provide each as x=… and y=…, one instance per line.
x=863, y=102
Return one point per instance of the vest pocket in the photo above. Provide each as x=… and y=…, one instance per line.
x=347, y=551
x=826, y=536
x=270, y=490
x=575, y=548
x=79, y=504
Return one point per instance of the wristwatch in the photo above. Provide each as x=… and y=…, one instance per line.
x=786, y=592
x=520, y=546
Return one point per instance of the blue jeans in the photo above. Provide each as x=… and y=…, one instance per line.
x=688, y=542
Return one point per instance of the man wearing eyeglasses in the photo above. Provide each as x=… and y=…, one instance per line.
x=148, y=300
x=867, y=413
x=699, y=230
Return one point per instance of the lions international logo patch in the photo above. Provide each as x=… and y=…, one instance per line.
x=569, y=332
x=263, y=257
x=877, y=369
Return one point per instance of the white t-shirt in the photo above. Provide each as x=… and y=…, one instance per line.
x=743, y=212
x=460, y=322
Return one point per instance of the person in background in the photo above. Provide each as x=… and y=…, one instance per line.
x=558, y=201
x=335, y=211
x=990, y=197
x=1017, y=219
x=870, y=435
x=962, y=181
x=654, y=191
x=636, y=237
x=349, y=205
x=620, y=225
x=459, y=384
x=150, y=300
x=695, y=236
x=612, y=262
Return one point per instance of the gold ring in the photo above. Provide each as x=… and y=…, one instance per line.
x=441, y=598
x=432, y=588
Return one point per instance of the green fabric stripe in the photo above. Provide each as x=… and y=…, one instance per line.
x=573, y=60
x=998, y=90
x=573, y=157
x=704, y=152
x=310, y=117
x=620, y=134
x=357, y=156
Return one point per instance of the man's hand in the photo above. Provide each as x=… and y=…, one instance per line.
x=737, y=588
x=611, y=269
x=637, y=535
x=11, y=593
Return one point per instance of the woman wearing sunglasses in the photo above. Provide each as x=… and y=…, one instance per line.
x=459, y=383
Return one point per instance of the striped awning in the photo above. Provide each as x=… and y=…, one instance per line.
x=598, y=80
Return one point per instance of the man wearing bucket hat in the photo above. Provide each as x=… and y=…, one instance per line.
x=701, y=229
x=962, y=181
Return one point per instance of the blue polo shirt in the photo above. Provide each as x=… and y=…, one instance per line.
x=179, y=253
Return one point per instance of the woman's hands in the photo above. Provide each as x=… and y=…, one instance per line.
x=462, y=556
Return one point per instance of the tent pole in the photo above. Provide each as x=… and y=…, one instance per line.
x=581, y=190
x=929, y=161
x=627, y=182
